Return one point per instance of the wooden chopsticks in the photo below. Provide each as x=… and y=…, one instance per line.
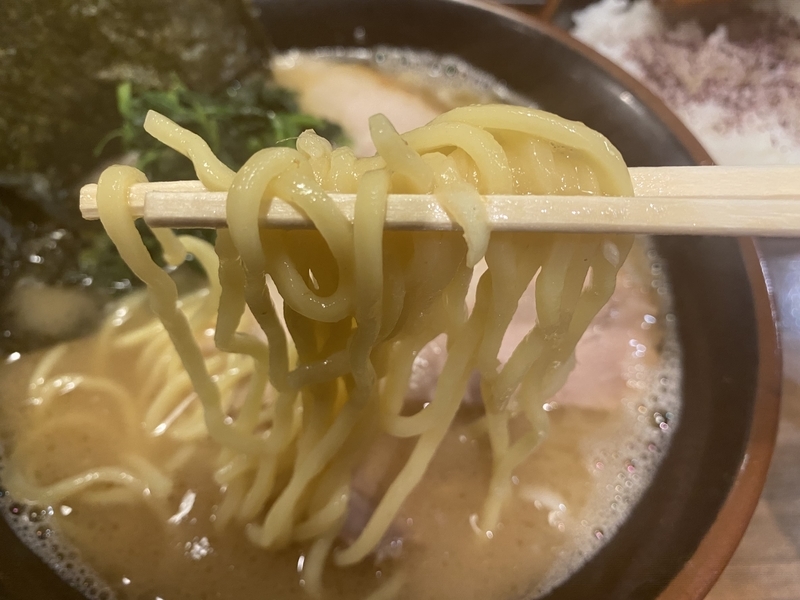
x=731, y=201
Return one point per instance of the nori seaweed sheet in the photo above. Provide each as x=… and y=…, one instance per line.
x=62, y=63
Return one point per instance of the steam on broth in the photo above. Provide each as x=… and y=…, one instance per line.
x=609, y=426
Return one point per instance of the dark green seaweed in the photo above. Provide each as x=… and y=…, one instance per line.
x=77, y=78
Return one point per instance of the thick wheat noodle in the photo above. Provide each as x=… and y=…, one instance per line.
x=358, y=304
x=110, y=389
x=233, y=467
x=54, y=493
x=152, y=332
x=231, y=501
x=405, y=161
x=173, y=249
x=595, y=148
x=42, y=371
x=231, y=310
x=333, y=487
x=325, y=518
x=449, y=391
x=315, y=561
x=480, y=145
x=173, y=393
x=205, y=255
x=372, y=196
x=260, y=490
x=391, y=589
x=159, y=373
x=463, y=202
x=179, y=458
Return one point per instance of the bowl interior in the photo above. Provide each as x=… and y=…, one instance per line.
x=718, y=321
x=718, y=324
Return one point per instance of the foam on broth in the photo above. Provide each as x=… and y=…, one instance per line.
x=610, y=426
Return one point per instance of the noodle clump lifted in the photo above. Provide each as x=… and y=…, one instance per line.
x=294, y=411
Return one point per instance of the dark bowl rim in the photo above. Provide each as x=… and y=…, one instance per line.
x=703, y=569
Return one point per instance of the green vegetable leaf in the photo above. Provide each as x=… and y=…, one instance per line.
x=236, y=122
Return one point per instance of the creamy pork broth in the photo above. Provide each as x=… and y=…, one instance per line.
x=609, y=427
x=603, y=446
x=410, y=88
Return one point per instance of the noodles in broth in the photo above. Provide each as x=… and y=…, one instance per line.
x=296, y=403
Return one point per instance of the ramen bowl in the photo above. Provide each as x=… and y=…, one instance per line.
x=681, y=533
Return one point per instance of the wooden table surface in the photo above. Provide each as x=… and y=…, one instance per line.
x=767, y=564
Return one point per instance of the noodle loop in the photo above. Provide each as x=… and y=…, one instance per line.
x=316, y=331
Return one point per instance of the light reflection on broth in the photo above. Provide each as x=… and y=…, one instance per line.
x=609, y=427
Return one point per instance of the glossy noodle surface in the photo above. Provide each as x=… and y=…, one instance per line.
x=348, y=413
